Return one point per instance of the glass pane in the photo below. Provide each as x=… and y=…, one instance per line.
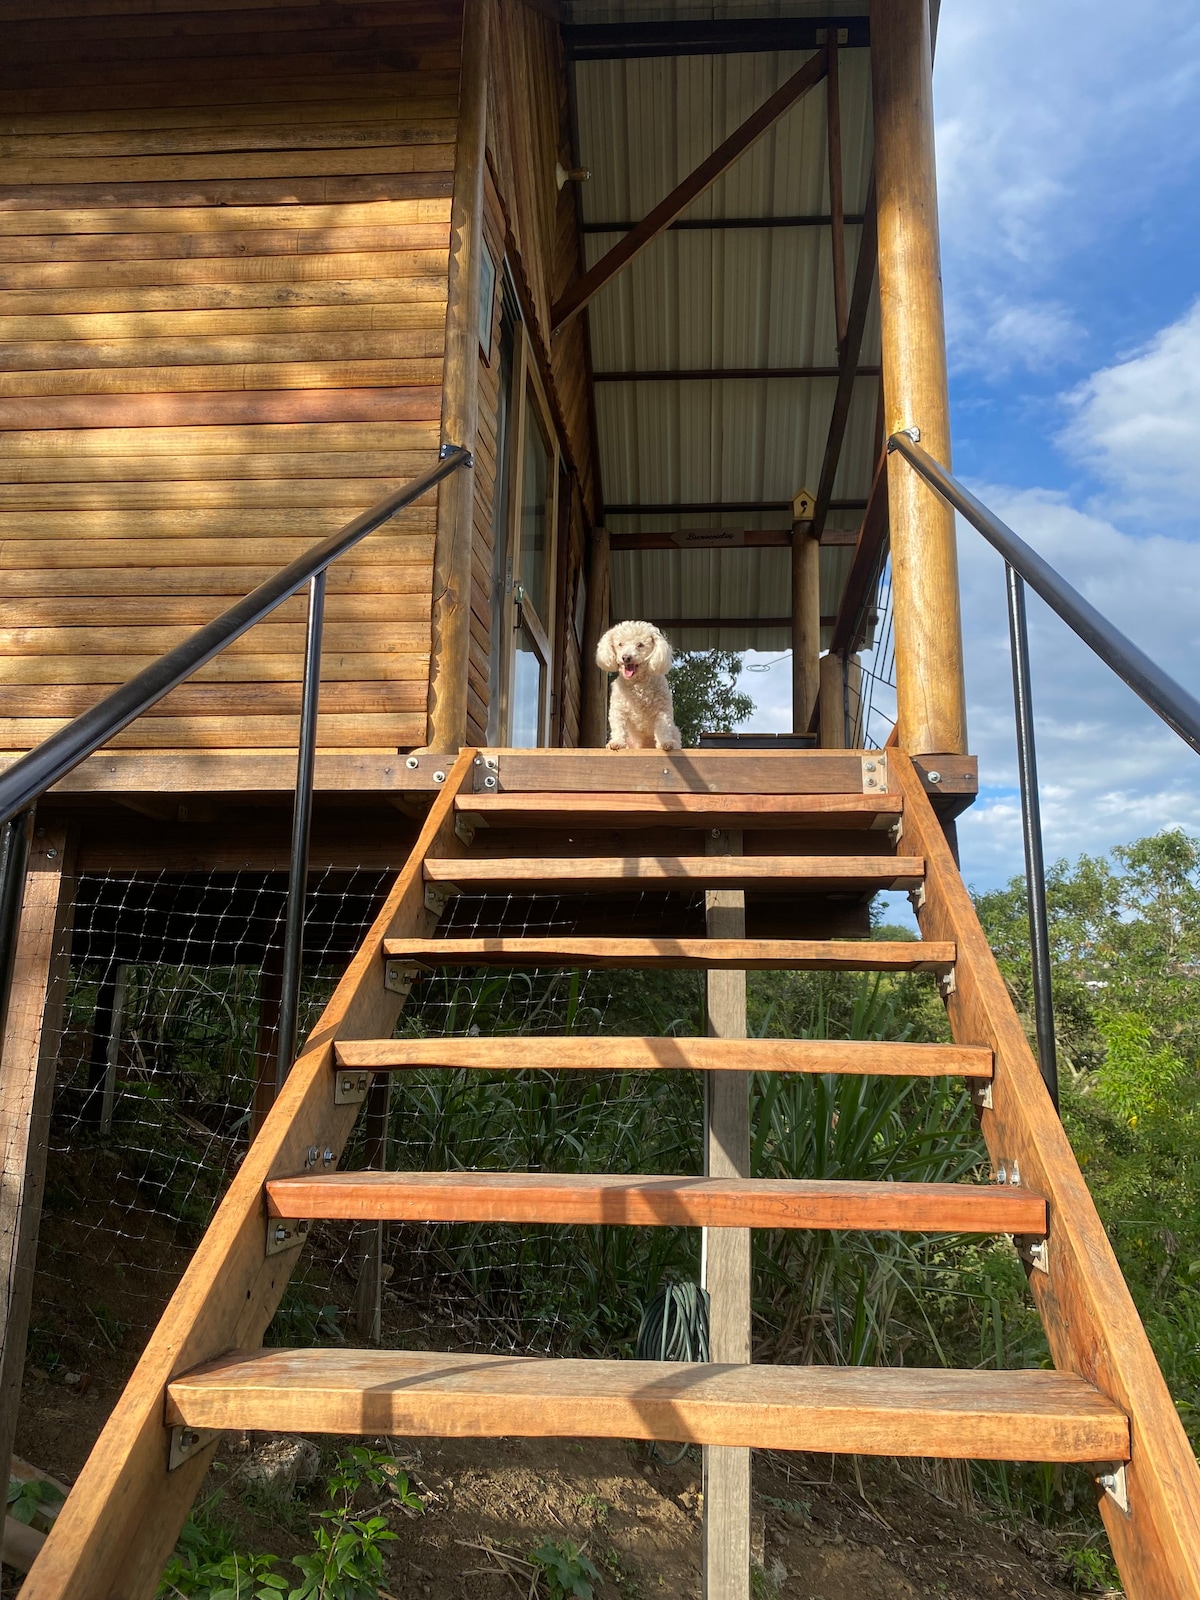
x=534, y=556
x=527, y=679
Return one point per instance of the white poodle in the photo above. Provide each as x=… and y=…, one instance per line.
x=640, y=713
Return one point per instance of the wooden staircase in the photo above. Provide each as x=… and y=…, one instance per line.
x=1105, y=1404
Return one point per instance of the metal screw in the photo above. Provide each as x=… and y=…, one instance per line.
x=869, y=766
x=347, y=1085
x=489, y=783
x=439, y=777
x=412, y=763
x=716, y=833
x=50, y=854
x=934, y=777
x=327, y=1155
x=871, y=784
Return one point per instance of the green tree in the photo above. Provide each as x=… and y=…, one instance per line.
x=707, y=698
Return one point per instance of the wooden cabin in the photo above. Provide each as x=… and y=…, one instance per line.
x=673, y=280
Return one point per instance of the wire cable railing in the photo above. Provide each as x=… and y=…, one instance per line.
x=23, y=785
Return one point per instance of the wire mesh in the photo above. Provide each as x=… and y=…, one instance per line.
x=878, y=667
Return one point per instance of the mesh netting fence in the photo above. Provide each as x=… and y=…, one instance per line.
x=168, y=1035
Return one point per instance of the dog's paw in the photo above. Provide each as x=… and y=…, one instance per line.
x=614, y=744
x=668, y=744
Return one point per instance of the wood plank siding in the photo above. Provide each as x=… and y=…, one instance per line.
x=224, y=234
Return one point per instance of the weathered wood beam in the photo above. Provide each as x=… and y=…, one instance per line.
x=837, y=208
x=30, y=1053
x=577, y=295
x=451, y=610
x=865, y=565
x=851, y=345
x=731, y=622
x=701, y=508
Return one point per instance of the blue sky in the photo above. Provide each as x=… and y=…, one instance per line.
x=1069, y=167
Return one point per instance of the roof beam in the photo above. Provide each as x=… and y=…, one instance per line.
x=856, y=322
x=814, y=219
x=730, y=622
x=625, y=41
x=704, y=508
x=577, y=294
x=716, y=374
x=723, y=539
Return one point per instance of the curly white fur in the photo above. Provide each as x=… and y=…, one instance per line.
x=640, y=713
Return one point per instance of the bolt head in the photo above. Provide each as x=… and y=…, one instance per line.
x=439, y=777
x=934, y=777
x=280, y=1234
x=347, y=1085
x=489, y=783
x=327, y=1155
x=412, y=763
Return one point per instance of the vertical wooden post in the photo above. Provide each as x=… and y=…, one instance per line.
x=929, y=674
x=594, y=731
x=270, y=993
x=451, y=617
x=368, y=1298
x=833, y=702
x=806, y=624
x=726, y=1251
x=30, y=1053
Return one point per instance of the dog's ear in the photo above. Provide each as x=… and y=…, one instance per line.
x=606, y=652
x=662, y=655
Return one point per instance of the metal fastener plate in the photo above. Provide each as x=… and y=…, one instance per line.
x=285, y=1235
x=350, y=1088
x=187, y=1442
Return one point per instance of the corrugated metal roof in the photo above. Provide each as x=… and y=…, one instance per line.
x=752, y=297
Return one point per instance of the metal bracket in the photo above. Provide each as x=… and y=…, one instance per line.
x=875, y=773
x=913, y=433
x=1115, y=1485
x=285, y=1235
x=398, y=978
x=350, y=1088
x=1036, y=1252
x=487, y=774
x=896, y=833
x=981, y=1092
x=947, y=983
x=916, y=898
x=187, y=1442
x=437, y=897
x=464, y=830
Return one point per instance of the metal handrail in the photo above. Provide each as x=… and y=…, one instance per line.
x=28, y=778
x=1166, y=698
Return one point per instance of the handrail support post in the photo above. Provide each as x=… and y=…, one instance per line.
x=1031, y=827
x=293, y=938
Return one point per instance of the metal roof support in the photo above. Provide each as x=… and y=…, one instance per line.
x=856, y=322
x=837, y=208
x=717, y=374
x=577, y=294
x=625, y=41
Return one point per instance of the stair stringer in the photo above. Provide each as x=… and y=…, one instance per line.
x=1091, y=1322
x=120, y=1522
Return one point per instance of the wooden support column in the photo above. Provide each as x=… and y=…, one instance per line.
x=30, y=1053
x=929, y=674
x=451, y=613
x=368, y=1298
x=833, y=702
x=726, y=1251
x=806, y=624
x=594, y=731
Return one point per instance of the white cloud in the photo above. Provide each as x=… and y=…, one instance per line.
x=1137, y=424
x=1109, y=770
x=1056, y=126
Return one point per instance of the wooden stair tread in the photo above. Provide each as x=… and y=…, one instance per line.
x=681, y=771
x=752, y=955
x=610, y=1052
x=753, y=811
x=1003, y=1416
x=636, y=873
x=640, y=1200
